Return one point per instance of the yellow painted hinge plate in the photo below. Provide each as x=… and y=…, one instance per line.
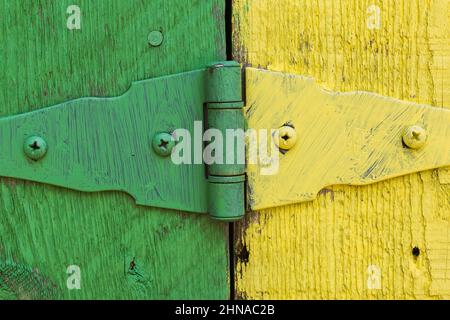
x=350, y=138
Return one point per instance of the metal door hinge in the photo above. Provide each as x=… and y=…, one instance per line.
x=300, y=138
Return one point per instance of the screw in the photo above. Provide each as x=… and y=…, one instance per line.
x=35, y=148
x=163, y=144
x=155, y=38
x=415, y=137
x=286, y=138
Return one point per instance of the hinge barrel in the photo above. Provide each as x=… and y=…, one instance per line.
x=226, y=177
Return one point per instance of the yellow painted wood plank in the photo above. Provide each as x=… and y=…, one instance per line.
x=329, y=248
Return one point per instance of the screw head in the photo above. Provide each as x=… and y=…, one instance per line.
x=415, y=137
x=155, y=38
x=286, y=138
x=163, y=144
x=35, y=147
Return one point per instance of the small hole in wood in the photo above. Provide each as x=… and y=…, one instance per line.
x=244, y=254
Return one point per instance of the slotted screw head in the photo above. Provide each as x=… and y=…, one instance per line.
x=287, y=137
x=415, y=137
x=163, y=144
x=35, y=147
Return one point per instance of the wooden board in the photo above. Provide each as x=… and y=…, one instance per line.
x=334, y=246
x=123, y=251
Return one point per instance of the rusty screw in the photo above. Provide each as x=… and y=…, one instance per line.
x=286, y=138
x=415, y=137
x=163, y=144
x=35, y=148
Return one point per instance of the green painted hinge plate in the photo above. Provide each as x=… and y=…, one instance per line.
x=105, y=144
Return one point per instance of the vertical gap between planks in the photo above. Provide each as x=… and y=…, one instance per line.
x=229, y=28
x=229, y=52
x=232, y=262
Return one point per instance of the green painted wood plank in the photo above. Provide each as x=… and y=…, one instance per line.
x=124, y=251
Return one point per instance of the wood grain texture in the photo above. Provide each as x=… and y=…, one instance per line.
x=324, y=249
x=124, y=251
